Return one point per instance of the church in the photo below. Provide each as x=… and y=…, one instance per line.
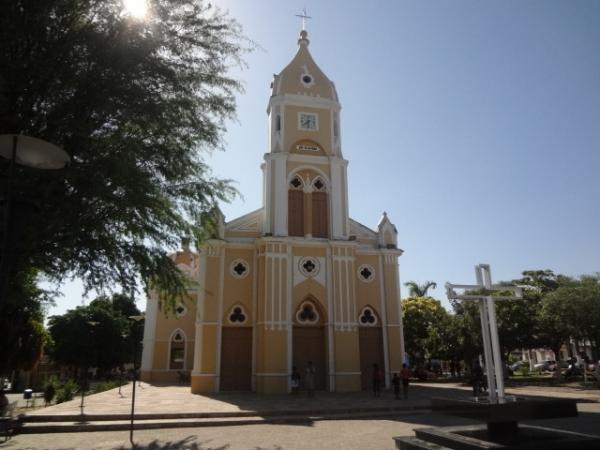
x=295, y=281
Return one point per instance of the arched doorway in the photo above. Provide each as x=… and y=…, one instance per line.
x=309, y=343
x=370, y=340
x=236, y=352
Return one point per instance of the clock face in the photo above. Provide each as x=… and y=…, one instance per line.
x=308, y=121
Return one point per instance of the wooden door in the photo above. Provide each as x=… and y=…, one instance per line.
x=371, y=352
x=320, y=215
x=295, y=213
x=236, y=359
x=309, y=345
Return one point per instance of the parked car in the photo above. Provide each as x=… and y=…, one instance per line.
x=547, y=365
x=515, y=366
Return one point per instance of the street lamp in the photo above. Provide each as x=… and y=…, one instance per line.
x=84, y=376
x=30, y=152
x=136, y=320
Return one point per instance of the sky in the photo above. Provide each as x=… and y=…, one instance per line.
x=474, y=124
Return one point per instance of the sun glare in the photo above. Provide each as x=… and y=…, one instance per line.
x=137, y=8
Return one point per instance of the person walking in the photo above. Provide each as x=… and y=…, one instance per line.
x=310, y=379
x=377, y=378
x=405, y=374
x=477, y=379
x=396, y=384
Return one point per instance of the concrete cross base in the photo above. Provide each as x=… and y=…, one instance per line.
x=475, y=437
x=501, y=429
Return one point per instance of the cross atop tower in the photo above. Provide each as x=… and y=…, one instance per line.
x=303, y=16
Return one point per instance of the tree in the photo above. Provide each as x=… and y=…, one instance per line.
x=469, y=324
x=572, y=311
x=135, y=104
x=21, y=322
x=421, y=317
x=97, y=335
x=419, y=290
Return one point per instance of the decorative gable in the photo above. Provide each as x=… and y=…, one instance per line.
x=250, y=223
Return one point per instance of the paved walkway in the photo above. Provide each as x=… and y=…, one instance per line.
x=152, y=399
x=336, y=434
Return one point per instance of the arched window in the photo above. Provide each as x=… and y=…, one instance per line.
x=307, y=313
x=177, y=350
x=237, y=315
x=368, y=318
x=296, y=207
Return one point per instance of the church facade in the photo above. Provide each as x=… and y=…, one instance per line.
x=295, y=281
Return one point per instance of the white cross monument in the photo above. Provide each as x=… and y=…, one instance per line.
x=489, y=326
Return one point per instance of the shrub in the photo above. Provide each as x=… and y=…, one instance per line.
x=50, y=390
x=105, y=386
x=66, y=391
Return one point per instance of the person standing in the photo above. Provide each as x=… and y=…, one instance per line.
x=295, y=380
x=405, y=374
x=396, y=384
x=377, y=378
x=3, y=402
x=310, y=379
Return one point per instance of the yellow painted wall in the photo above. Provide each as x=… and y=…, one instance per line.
x=347, y=383
x=293, y=134
x=213, y=270
x=394, y=349
x=203, y=384
x=160, y=355
x=272, y=385
x=316, y=292
x=292, y=166
x=209, y=351
x=238, y=290
x=347, y=358
x=275, y=351
x=368, y=294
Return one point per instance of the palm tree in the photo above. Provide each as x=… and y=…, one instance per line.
x=419, y=290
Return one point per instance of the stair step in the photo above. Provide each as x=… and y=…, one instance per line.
x=414, y=443
x=215, y=415
x=117, y=425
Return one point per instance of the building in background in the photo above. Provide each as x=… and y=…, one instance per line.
x=295, y=281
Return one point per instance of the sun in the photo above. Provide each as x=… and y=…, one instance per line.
x=137, y=8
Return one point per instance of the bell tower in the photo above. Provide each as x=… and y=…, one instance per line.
x=305, y=183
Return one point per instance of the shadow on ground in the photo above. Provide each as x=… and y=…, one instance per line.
x=188, y=443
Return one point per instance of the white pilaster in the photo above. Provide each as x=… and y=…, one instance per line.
x=149, y=332
x=384, y=322
x=289, y=317
x=339, y=214
x=330, y=320
x=197, y=369
x=265, y=167
x=220, y=317
x=279, y=194
x=254, y=312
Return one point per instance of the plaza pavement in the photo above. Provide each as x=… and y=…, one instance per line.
x=154, y=399
x=367, y=429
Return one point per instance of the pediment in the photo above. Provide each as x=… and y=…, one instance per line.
x=361, y=231
x=248, y=223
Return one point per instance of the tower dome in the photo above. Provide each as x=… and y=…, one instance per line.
x=302, y=76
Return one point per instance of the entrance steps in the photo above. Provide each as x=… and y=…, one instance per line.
x=37, y=424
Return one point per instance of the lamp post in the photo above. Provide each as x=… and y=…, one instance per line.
x=134, y=335
x=30, y=152
x=84, y=375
